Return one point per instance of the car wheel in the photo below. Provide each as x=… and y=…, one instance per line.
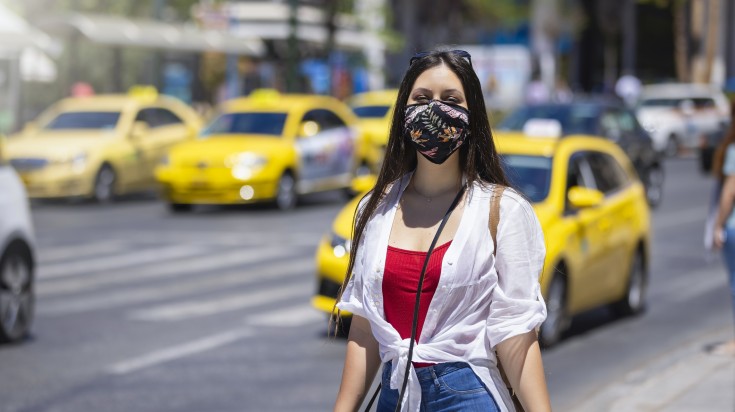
x=16, y=294
x=557, y=319
x=672, y=146
x=634, y=301
x=179, y=207
x=104, y=185
x=286, y=194
x=655, y=186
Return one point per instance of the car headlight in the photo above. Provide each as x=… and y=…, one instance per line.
x=340, y=246
x=244, y=165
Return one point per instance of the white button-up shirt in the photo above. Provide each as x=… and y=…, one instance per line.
x=480, y=301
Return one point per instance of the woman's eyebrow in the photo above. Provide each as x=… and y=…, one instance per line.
x=452, y=91
x=422, y=90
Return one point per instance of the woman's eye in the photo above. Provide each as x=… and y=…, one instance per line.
x=420, y=98
x=452, y=99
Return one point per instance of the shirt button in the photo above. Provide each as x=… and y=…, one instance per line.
x=444, y=287
x=377, y=269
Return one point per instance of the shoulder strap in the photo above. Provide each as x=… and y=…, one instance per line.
x=497, y=193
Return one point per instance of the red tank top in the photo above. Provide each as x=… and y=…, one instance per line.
x=400, y=281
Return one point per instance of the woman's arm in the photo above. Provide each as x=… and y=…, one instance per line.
x=521, y=359
x=361, y=364
x=727, y=198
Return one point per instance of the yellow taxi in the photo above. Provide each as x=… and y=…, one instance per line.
x=99, y=146
x=374, y=111
x=265, y=147
x=595, y=219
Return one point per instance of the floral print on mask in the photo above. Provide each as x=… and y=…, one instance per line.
x=436, y=129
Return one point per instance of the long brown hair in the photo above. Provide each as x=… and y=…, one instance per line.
x=479, y=159
x=718, y=160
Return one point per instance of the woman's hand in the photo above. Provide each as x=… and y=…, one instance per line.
x=719, y=237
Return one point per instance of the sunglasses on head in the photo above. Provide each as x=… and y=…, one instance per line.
x=460, y=53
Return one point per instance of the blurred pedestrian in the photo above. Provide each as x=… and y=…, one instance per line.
x=438, y=318
x=724, y=226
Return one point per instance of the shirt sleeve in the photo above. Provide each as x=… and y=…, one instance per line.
x=728, y=166
x=352, y=299
x=516, y=305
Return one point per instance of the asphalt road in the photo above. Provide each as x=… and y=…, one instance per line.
x=139, y=310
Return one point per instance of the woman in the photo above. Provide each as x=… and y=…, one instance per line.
x=724, y=232
x=477, y=300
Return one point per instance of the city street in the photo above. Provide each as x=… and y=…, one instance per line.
x=140, y=310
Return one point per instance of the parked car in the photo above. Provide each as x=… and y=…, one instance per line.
x=600, y=117
x=374, y=111
x=592, y=209
x=680, y=115
x=17, y=256
x=99, y=146
x=265, y=147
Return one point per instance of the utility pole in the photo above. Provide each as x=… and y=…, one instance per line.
x=292, y=61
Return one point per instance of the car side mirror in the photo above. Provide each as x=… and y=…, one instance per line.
x=308, y=128
x=583, y=197
x=138, y=130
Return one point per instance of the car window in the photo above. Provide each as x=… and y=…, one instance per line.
x=608, y=174
x=703, y=102
x=372, y=112
x=262, y=123
x=660, y=102
x=84, y=120
x=529, y=174
x=157, y=117
x=326, y=119
x=574, y=118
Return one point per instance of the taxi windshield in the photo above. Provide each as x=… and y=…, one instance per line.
x=374, y=112
x=267, y=123
x=529, y=174
x=574, y=118
x=84, y=120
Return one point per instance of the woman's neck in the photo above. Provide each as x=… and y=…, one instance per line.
x=432, y=180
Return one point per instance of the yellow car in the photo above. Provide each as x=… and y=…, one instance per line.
x=595, y=219
x=374, y=111
x=99, y=146
x=265, y=147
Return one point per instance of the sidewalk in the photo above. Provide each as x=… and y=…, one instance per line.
x=687, y=379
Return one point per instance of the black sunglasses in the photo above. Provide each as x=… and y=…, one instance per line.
x=460, y=53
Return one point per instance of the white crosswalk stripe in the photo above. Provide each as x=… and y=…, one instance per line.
x=129, y=259
x=203, y=284
x=197, y=308
x=60, y=253
x=164, y=270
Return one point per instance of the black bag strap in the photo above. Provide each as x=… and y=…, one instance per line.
x=415, y=323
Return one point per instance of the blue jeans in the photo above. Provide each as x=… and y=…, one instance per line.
x=728, y=252
x=445, y=387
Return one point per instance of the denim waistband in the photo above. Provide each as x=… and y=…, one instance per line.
x=428, y=373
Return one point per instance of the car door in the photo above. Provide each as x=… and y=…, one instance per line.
x=327, y=156
x=165, y=130
x=615, y=224
x=587, y=246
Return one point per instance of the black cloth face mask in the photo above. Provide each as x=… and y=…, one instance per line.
x=436, y=129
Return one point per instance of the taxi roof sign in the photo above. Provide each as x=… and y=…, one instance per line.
x=542, y=128
x=265, y=96
x=144, y=93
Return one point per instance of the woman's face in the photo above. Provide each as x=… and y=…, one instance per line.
x=438, y=83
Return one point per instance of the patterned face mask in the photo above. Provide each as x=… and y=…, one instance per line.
x=436, y=129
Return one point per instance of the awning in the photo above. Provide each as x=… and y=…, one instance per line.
x=121, y=31
x=16, y=34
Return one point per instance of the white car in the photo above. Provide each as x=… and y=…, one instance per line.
x=17, y=257
x=679, y=115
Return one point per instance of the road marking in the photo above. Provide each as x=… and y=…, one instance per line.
x=179, y=351
x=199, y=308
x=681, y=217
x=133, y=258
x=144, y=294
x=51, y=254
x=246, y=237
x=294, y=316
x=178, y=268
